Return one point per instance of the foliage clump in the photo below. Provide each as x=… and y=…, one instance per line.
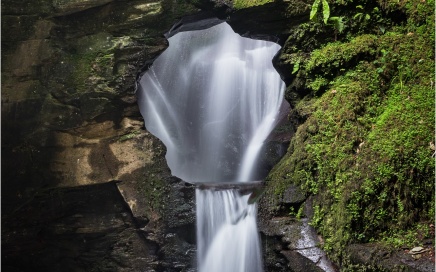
x=365, y=145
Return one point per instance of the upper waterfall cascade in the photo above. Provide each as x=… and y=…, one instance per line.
x=213, y=98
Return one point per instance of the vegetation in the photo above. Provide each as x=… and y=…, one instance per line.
x=241, y=4
x=365, y=145
x=325, y=10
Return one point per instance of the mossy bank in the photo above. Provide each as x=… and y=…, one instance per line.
x=362, y=92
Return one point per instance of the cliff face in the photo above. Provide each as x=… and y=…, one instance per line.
x=68, y=101
x=84, y=182
x=85, y=186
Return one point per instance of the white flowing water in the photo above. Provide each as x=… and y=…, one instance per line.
x=213, y=98
x=227, y=230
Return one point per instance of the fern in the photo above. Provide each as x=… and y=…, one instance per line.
x=314, y=10
x=338, y=23
x=325, y=10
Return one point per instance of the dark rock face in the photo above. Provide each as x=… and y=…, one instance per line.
x=71, y=125
x=68, y=91
x=84, y=228
x=272, y=21
x=299, y=263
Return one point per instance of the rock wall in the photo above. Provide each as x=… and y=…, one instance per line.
x=84, y=186
x=68, y=104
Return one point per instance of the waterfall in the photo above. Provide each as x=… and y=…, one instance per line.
x=213, y=98
x=228, y=231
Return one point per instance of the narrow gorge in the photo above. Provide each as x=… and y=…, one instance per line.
x=96, y=177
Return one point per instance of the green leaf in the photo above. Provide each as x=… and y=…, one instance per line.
x=359, y=7
x=340, y=26
x=338, y=23
x=314, y=10
x=358, y=15
x=296, y=67
x=367, y=17
x=325, y=11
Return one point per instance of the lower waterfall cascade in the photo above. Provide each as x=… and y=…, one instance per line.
x=213, y=98
x=227, y=232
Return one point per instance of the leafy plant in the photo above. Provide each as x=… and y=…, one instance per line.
x=292, y=211
x=300, y=213
x=361, y=15
x=369, y=19
x=325, y=10
x=296, y=67
x=338, y=24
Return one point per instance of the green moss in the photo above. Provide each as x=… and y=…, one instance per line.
x=128, y=136
x=409, y=238
x=334, y=58
x=364, y=149
x=419, y=12
x=337, y=54
x=318, y=83
x=241, y=4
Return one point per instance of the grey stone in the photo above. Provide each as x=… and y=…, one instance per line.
x=294, y=195
x=299, y=263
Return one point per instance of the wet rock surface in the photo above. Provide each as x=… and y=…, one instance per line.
x=299, y=245
x=381, y=259
x=296, y=243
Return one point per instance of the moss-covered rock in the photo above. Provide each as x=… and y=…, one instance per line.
x=241, y=4
x=364, y=147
